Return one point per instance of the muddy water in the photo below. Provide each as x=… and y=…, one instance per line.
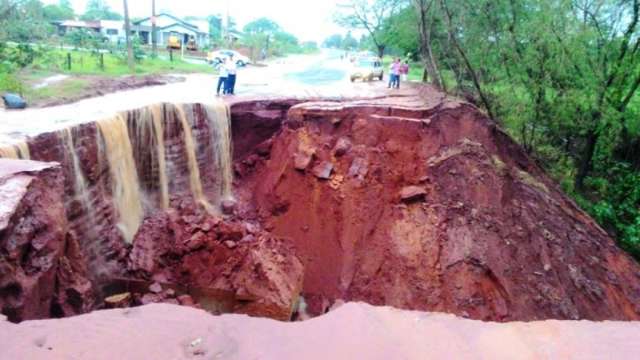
x=148, y=131
x=17, y=151
x=124, y=176
x=79, y=181
x=220, y=124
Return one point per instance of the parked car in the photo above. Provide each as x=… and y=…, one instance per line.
x=216, y=57
x=367, y=68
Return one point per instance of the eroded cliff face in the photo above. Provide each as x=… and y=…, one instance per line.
x=435, y=209
x=41, y=272
x=415, y=202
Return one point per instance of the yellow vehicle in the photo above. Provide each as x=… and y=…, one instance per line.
x=191, y=44
x=174, y=42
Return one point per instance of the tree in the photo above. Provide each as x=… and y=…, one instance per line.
x=259, y=34
x=349, y=42
x=369, y=15
x=59, y=12
x=333, y=41
x=127, y=29
x=23, y=21
x=154, y=34
x=423, y=9
x=99, y=10
x=261, y=26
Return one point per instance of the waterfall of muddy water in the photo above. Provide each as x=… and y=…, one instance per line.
x=150, y=127
x=124, y=177
x=219, y=116
x=79, y=181
x=16, y=151
x=195, y=182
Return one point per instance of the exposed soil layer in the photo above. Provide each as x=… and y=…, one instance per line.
x=415, y=202
x=42, y=272
x=432, y=208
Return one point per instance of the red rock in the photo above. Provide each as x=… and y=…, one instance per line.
x=411, y=193
x=155, y=288
x=302, y=160
x=186, y=300
x=323, y=170
x=343, y=145
x=229, y=206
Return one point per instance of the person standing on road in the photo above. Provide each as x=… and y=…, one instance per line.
x=404, y=70
x=223, y=77
x=231, y=76
x=394, y=74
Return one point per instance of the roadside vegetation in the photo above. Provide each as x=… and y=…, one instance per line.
x=561, y=77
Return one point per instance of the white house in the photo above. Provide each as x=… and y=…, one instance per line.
x=112, y=29
x=168, y=24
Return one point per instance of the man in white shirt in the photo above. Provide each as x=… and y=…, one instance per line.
x=222, y=79
x=231, y=75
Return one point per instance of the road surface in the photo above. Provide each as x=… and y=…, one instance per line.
x=303, y=76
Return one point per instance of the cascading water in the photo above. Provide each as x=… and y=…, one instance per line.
x=195, y=181
x=148, y=130
x=16, y=151
x=219, y=117
x=149, y=135
x=79, y=181
x=124, y=176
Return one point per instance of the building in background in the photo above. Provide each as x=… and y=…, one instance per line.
x=169, y=25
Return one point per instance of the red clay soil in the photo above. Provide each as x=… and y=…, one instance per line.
x=42, y=273
x=241, y=266
x=431, y=208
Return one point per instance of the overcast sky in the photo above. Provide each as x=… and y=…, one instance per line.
x=307, y=19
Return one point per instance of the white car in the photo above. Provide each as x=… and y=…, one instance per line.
x=367, y=68
x=216, y=57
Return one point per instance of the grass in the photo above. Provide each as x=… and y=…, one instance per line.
x=86, y=63
x=67, y=88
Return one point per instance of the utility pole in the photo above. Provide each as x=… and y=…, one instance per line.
x=154, y=36
x=227, y=35
x=127, y=29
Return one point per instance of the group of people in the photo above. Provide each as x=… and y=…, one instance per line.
x=398, y=69
x=227, y=80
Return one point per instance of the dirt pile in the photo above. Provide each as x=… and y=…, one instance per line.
x=432, y=208
x=227, y=265
x=42, y=273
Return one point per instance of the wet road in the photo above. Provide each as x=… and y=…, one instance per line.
x=302, y=76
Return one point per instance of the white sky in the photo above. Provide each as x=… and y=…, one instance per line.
x=307, y=19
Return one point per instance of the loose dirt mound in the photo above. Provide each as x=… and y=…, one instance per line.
x=432, y=209
x=226, y=265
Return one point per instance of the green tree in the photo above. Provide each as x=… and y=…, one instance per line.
x=333, y=41
x=59, y=12
x=369, y=15
x=99, y=10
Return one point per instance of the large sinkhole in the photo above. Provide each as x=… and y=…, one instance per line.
x=285, y=209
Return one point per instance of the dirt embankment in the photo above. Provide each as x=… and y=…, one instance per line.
x=431, y=208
